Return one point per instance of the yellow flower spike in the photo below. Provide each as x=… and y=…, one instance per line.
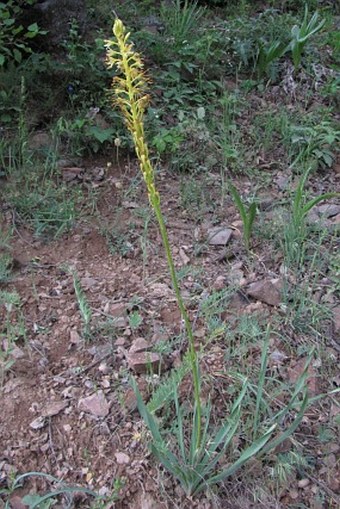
x=130, y=94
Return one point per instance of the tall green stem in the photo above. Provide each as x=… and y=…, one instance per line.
x=187, y=323
x=130, y=95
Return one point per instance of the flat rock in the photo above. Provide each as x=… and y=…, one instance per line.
x=266, y=291
x=122, y=458
x=38, y=423
x=17, y=503
x=277, y=357
x=118, y=309
x=139, y=345
x=95, y=404
x=54, y=408
x=328, y=210
x=75, y=339
x=72, y=173
x=336, y=319
x=88, y=282
x=220, y=283
x=219, y=236
x=143, y=362
x=39, y=140
x=295, y=371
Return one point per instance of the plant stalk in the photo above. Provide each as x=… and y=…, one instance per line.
x=130, y=91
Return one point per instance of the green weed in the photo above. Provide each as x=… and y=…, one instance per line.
x=180, y=19
x=295, y=231
x=35, y=501
x=302, y=34
x=84, y=307
x=14, y=37
x=267, y=55
x=247, y=216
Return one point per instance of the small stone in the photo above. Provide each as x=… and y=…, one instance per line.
x=118, y=309
x=130, y=400
x=265, y=291
x=104, y=368
x=139, y=345
x=120, y=341
x=184, y=257
x=17, y=503
x=63, y=163
x=330, y=460
x=39, y=140
x=95, y=404
x=38, y=423
x=218, y=236
x=282, y=182
x=72, y=173
x=296, y=371
x=235, y=276
x=219, y=283
x=336, y=319
x=54, y=408
x=143, y=362
x=17, y=352
x=75, y=339
x=335, y=219
x=122, y=458
x=332, y=447
x=328, y=210
x=278, y=357
x=88, y=282
x=303, y=483
x=294, y=494
x=148, y=501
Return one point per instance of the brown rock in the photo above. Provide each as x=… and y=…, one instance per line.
x=17, y=503
x=139, y=345
x=130, y=400
x=296, y=371
x=39, y=140
x=219, y=236
x=38, y=423
x=336, y=319
x=75, y=339
x=72, y=173
x=303, y=483
x=95, y=404
x=328, y=210
x=54, y=408
x=219, y=283
x=118, y=309
x=265, y=291
x=122, y=458
x=143, y=362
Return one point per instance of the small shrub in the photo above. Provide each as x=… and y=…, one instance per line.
x=14, y=37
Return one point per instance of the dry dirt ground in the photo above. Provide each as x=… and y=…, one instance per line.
x=48, y=424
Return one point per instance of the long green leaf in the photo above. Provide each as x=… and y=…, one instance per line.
x=250, y=452
x=311, y=203
x=262, y=377
x=237, y=199
x=289, y=431
x=179, y=424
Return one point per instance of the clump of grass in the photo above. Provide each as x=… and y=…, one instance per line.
x=295, y=231
x=84, y=307
x=247, y=215
x=35, y=501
